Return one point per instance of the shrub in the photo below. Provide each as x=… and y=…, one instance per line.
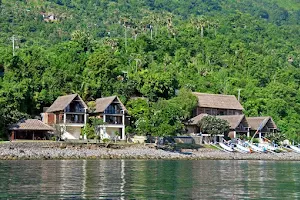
x=106, y=140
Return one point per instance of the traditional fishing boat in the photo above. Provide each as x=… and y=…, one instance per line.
x=256, y=148
x=224, y=146
x=267, y=146
x=295, y=149
x=244, y=149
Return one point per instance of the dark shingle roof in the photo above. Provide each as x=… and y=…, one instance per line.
x=218, y=101
x=31, y=124
x=103, y=103
x=62, y=102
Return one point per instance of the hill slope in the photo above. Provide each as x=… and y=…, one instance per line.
x=150, y=48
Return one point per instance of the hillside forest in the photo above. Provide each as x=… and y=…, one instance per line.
x=151, y=54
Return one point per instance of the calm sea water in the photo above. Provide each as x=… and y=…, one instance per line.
x=153, y=179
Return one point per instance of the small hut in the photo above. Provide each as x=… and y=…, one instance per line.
x=30, y=129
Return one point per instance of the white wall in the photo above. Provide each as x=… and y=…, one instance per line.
x=72, y=132
x=110, y=132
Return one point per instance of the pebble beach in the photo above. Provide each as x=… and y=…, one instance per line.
x=59, y=150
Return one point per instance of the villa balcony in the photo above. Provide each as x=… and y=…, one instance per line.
x=72, y=119
x=113, y=120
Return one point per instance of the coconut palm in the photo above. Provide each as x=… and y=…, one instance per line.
x=126, y=23
x=215, y=25
x=200, y=22
x=148, y=23
x=136, y=26
x=139, y=60
x=113, y=43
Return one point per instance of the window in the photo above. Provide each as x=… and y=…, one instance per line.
x=113, y=109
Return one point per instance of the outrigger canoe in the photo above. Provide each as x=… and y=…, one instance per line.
x=244, y=149
x=294, y=148
x=224, y=146
x=268, y=147
x=256, y=148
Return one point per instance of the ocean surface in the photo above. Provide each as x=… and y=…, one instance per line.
x=149, y=179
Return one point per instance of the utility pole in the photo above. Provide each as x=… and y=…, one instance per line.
x=239, y=94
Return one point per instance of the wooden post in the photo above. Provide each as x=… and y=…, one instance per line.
x=85, y=116
x=123, y=127
x=248, y=132
x=65, y=117
x=104, y=118
x=12, y=136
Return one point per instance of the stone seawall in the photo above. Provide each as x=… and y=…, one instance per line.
x=58, y=150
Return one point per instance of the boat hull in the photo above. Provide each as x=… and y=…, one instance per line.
x=296, y=149
x=247, y=150
x=224, y=146
x=256, y=148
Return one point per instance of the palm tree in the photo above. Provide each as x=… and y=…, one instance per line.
x=200, y=22
x=113, y=43
x=148, y=23
x=157, y=21
x=139, y=60
x=135, y=33
x=136, y=25
x=126, y=23
x=215, y=24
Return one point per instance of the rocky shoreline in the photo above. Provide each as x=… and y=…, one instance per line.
x=58, y=150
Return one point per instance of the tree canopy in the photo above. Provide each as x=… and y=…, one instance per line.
x=151, y=49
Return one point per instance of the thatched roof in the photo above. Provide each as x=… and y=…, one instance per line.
x=195, y=120
x=256, y=122
x=218, y=101
x=63, y=101
x=31, y=125
x=103, y=103
x=233, y=120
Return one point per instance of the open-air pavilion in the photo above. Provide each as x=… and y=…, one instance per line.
x=30, y=129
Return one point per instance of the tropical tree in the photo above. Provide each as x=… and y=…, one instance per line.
x=213, y=125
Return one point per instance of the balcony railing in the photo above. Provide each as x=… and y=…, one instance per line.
x=79, y=110
x=113, y=120
x=73, y=119
x=68, y=121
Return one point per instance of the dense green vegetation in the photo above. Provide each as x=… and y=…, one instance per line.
x=150, y=49
x=213, y=125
